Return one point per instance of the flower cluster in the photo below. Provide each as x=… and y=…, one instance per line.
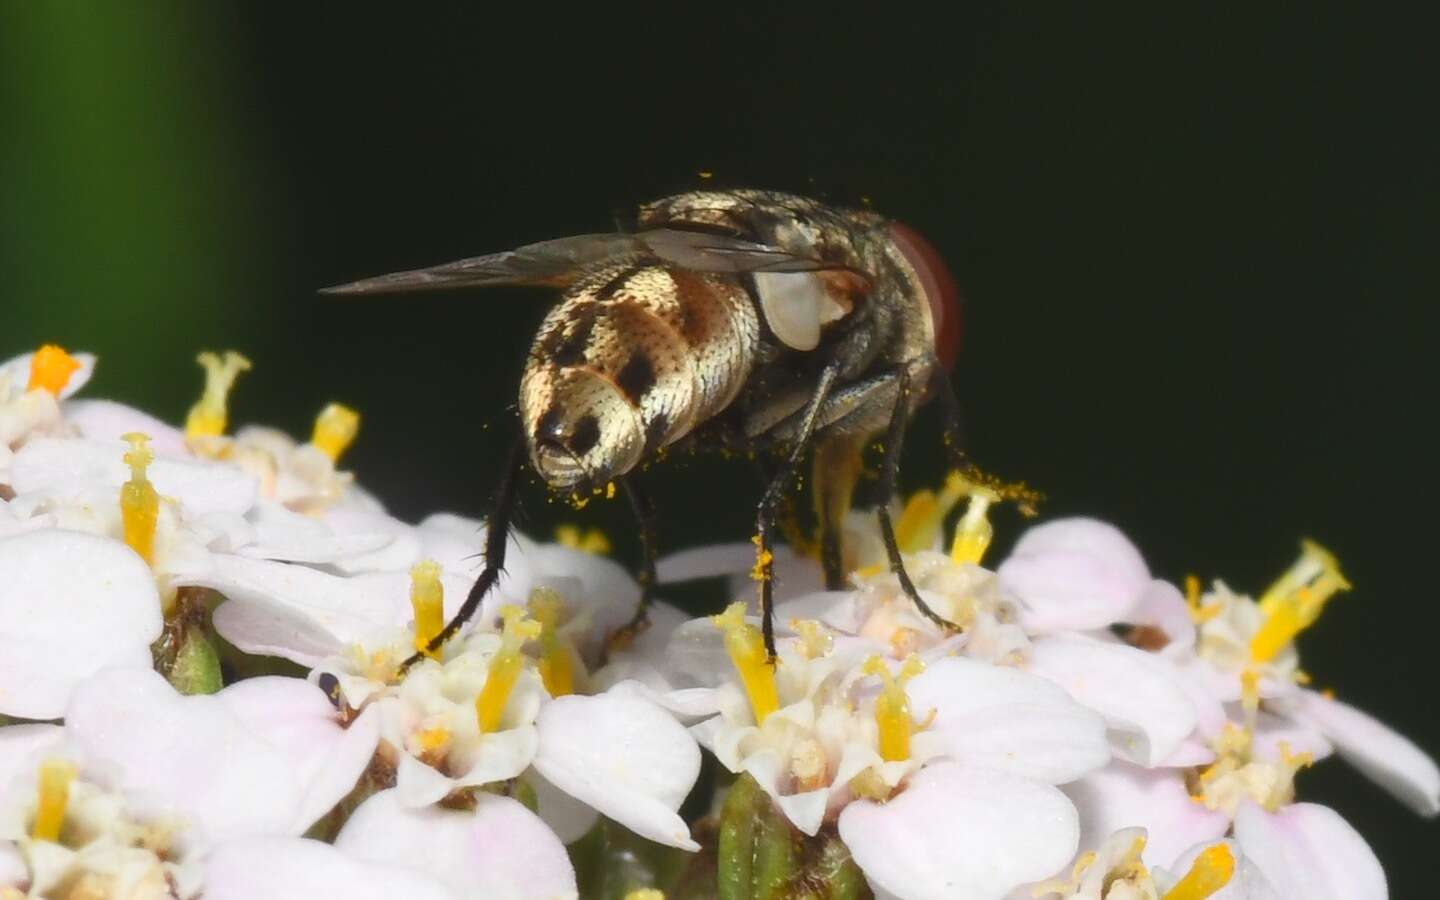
x=203, y=671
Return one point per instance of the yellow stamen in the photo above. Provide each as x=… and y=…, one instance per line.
x=1296, y=599
x=892, y=707
x=56, y=775
x=924, y=515
x=1250, y=701
x=592, y=541
x=50, y=369
x=505, y=667
x=335, y=430
x=557, y=657
x=1211, y=872
x=974, y=532
x=427, y=600
x=139, y=501
x=747, y=653
x=649, y=893
x=814, y=640
x=208, y=416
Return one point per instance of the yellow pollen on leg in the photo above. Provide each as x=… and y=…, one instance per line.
x=974, y=532
x=139, y=501
x=763, y=560
x=50, y=369
x=335, y=430
x=747, y=653
x=558, y=661
x=209, y=415
x=56, y=776
x=892, y=707
x=592, y=541
x=505, y=667
x=427, y=600
x=1211, y=871
x=1295, y=600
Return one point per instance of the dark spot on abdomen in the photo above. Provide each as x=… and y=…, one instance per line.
x=637, y=377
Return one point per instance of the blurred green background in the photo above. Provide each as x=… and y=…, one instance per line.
x=1197, y=248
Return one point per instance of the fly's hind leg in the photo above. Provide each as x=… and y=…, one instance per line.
x=645, y=516
x=497, y=534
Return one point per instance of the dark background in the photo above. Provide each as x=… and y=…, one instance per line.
x=1197, y=249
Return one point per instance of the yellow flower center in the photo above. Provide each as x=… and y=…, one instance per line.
x=1211, y=871
x=558, y=660
x=1236, y=774
x=335, y=430
x=56, y=776
x=592, y=541
x=814, y=639
x=139, y=501
x=427, y=600
x=892, y=707
x=1295, y=600
x=505, y=667
x=209, y=415
x=747, y=653
x=50, y=369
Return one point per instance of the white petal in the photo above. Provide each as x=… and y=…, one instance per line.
x=1006, y=719
x=13, y=870
x=710, y=561
x=61, y=466
x=106, y=420
x=1074, y=574
x=16, y=370
x=395, y=545
x=1307, y=850
x=567, y=817
x=21, y=748
x=282, y=534
x=301, y=869
x=296, y=719
x=625, y=757
x=1147, y=710
x=501, y=850
x=957, y=833
x=1161, y=606
x=1384, y=755
x=1122, y=795
x=72, y=604
x=1271, y=731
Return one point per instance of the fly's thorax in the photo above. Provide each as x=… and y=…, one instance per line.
x=636, y=356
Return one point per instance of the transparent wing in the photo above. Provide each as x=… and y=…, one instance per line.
x=559, y=262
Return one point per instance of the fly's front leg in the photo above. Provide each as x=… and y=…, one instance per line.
x=644, y=510
x=765, y=512
x=889, y=469
x=497, y=533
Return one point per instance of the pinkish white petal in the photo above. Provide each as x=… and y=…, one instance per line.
x=569, y=818
x=1306, y=850
x=279, y=868
x=1384, y=755
x=72, y=604
x=499, y=850
x=1161, y=606
x=1007, y=719
x=106, y=420
x=624, y=756
x=1123, y=795
x=957, y=833
x=1074, y=574
x=21, y=747
x=1147, y=711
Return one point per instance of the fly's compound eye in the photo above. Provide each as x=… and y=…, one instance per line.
x=939, y=287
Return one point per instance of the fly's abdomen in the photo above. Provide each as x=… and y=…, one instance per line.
x=636, y=356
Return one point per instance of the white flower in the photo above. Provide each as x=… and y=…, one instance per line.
x=1114, y=871
x=32, y=387
x=72, y=604
x=1074, y=575
x=278, y=868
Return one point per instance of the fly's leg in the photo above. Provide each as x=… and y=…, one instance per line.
x=497, y=533
x=765, y=511
x=889, y=469
x=644, y=510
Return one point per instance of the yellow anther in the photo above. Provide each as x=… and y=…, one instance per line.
x=1211, y=872
x=869, y=785
x=505, y=667
x=645, y=894
x=747, y=653
x=892, y=707
x=1296, y=599
x=814, y=639
x=763, y=560
x=557, y=657
x=592, y=541
x=432, y=740
x=335, y=430
x=974, y=532
x=139, y=501
x=1199, y=613
x=209, y=415
x=427, y=601
x=924, y=515
x=56, y=776
x=50, y=369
